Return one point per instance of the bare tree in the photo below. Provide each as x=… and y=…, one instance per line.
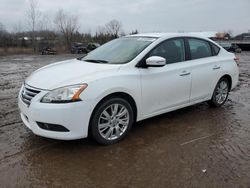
x=4, y=36
x=33, y=14
x=67, y=25
x=44, y=23
x=2, y=31
x=113, y=28
x=18, y=27
x=101, y=30
x=1, y=27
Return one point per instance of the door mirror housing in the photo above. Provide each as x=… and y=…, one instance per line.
x=155, y=61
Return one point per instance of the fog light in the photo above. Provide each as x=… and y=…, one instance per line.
x=52, y=127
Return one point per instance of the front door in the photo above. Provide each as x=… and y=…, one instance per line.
x=168, y=86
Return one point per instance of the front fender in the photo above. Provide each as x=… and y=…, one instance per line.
x=128, y=84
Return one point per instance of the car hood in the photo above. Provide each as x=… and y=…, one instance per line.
x=68, y=72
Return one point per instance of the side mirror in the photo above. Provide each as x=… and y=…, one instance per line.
x=156, y=61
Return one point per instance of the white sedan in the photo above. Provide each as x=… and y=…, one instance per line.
x=124, y=81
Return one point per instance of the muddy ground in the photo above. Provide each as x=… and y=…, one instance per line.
x=197, y=146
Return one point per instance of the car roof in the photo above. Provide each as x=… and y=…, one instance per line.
x=170, y=35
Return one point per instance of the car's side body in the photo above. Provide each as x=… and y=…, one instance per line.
x=204, y=74
x=153, y=90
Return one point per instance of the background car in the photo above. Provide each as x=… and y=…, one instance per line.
x=231, y=47
x=92, y=46
x=235, y=48
x=48, y=51
x=78, y=48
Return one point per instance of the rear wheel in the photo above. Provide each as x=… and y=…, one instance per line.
x=220, y=94
x=111, y=121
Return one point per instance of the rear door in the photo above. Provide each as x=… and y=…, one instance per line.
x=205, y=68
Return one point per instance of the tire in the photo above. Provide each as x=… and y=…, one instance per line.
x=105, y=126
x=220, y=93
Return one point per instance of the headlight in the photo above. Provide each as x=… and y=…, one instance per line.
x=64, y=94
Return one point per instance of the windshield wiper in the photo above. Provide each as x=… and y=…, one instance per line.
x=95, y=60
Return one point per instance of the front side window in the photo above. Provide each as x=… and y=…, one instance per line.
x=172, y=50
x=199, y=48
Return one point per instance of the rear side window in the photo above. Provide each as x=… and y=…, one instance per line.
x=215, y=48
x=199, y=48
x=172, y=50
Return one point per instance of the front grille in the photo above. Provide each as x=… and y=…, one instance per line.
x=28, y=93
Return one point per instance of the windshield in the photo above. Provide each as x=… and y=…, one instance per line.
x=119, y=51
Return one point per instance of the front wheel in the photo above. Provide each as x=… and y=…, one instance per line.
x=111, y=121
x=220, y=94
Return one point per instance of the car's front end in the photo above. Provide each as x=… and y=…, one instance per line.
x=56, y=101
x=53, y=119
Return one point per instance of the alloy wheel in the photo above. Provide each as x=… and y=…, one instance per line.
x=113, y=121
x=221, y=92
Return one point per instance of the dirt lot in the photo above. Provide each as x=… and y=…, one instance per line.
x=197, y=146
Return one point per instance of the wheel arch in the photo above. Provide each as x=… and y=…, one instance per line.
x=229, y=78
x=122, y=95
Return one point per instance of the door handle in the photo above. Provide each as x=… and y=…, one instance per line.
x=216, y=67
x=185, y=73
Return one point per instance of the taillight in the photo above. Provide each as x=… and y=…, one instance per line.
x=237, y=61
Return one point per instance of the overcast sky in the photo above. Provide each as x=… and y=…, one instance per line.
x=144, y=15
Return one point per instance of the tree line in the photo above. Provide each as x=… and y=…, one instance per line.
x=60, y=31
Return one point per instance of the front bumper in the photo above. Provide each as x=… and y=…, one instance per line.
x=73, y=116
